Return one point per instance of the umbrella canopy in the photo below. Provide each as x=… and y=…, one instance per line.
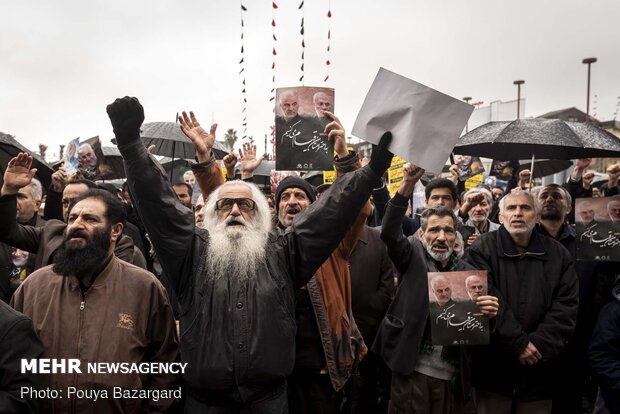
x=543, y=168
x=9, y=148
x=172, y=142
x=115, y=161
x=262, y=174
x=542, y=138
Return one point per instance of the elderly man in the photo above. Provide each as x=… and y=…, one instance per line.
x=477, y=206
x=93, y=307
x=475, y=287
x=575, y=380
x=422, y=372
x=235, y=281
x=12, y=271
x=88, y=162
x=536, y=277
x=613, y=210
x=322, y=102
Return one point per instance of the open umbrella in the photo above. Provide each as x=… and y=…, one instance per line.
x=543, y=168
x=172, y=142
x=262, y=174
x=539, y=138
x=114, y=161
x=9, y=148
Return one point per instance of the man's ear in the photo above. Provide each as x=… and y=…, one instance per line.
x=501, y=218
x=117, y=231
x=420, y=233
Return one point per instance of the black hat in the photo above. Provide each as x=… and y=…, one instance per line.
x=294, y=182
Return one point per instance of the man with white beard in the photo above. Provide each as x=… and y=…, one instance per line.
x=422, y=373
x=235, y=281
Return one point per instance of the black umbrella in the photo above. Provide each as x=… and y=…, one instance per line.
x=114, y=161
x=543, y=168
x=539, y=138
x=172, y=142
x=262, y=174
x=9, y=148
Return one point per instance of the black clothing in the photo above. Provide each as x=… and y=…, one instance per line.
x=540, y=293
x=239, y=334
x=17, y=340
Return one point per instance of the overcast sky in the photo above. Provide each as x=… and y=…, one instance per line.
x=63, y=61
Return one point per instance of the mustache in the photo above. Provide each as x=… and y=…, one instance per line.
x=233, y=219
x=76, y=233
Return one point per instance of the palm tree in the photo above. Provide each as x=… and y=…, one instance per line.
x=230, y=138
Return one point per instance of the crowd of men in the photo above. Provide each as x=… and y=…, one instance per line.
x=309, y=300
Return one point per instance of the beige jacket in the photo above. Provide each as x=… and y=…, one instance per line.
x=123, y=317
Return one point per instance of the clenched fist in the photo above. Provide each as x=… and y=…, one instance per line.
x=126, y=115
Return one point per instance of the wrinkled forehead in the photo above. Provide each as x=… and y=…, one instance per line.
x=91, y=206
x=519, y=200
x=474, y=280
x=235, y=191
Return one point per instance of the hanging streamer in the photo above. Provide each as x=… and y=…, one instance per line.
x=272, y=95
x=329, y=39
x=244, y=111
x=303, y=42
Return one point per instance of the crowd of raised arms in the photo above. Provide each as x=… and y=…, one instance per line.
x=329, y=299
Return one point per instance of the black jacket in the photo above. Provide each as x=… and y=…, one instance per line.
x=239, y=336
x=402, y=330
x=540, y=290
x=17, y=340
x=605, y=352
x=372, y=282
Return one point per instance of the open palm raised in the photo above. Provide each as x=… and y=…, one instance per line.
x=18, y=173
x=203, y=141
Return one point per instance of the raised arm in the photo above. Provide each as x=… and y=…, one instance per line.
x=318, y=230
x=18, y=174
x=399, y=248
x=170, y=225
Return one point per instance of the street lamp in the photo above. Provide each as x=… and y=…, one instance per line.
x=588, y=61
x=518, y=83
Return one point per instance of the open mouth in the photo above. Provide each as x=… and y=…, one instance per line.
x=440, y=247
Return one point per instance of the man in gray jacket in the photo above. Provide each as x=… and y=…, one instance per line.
x=234, y=280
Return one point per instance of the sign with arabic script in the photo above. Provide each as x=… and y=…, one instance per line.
x=597, y=228
x=301, y=142
x=455, y=318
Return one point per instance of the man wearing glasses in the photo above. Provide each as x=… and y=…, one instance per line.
x=234, y=279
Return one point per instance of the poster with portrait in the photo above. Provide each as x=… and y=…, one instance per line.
x=91, y=161
x=468, y=166
x=454, y=316
x=597, y=228
x=300, y=124
x=503, y=170
x=70, y=157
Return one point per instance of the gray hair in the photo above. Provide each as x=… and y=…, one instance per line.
x=319, y=95
x=439, y=211
x=517, y=192
x=471, y=277
x=286, y=93
x=439, y=278
x=36, y=190
x=487, y=194
x=262, y=207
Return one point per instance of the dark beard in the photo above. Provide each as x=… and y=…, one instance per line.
x=83, y=262
x=554, y=215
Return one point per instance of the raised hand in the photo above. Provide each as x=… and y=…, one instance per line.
x=230, y=160
x=126, y=115
x=335, y=133
x=381, y=156
x=203, y=141
x=412, y=173
x=18, y=174
x=249, y=162
x=59, y=179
